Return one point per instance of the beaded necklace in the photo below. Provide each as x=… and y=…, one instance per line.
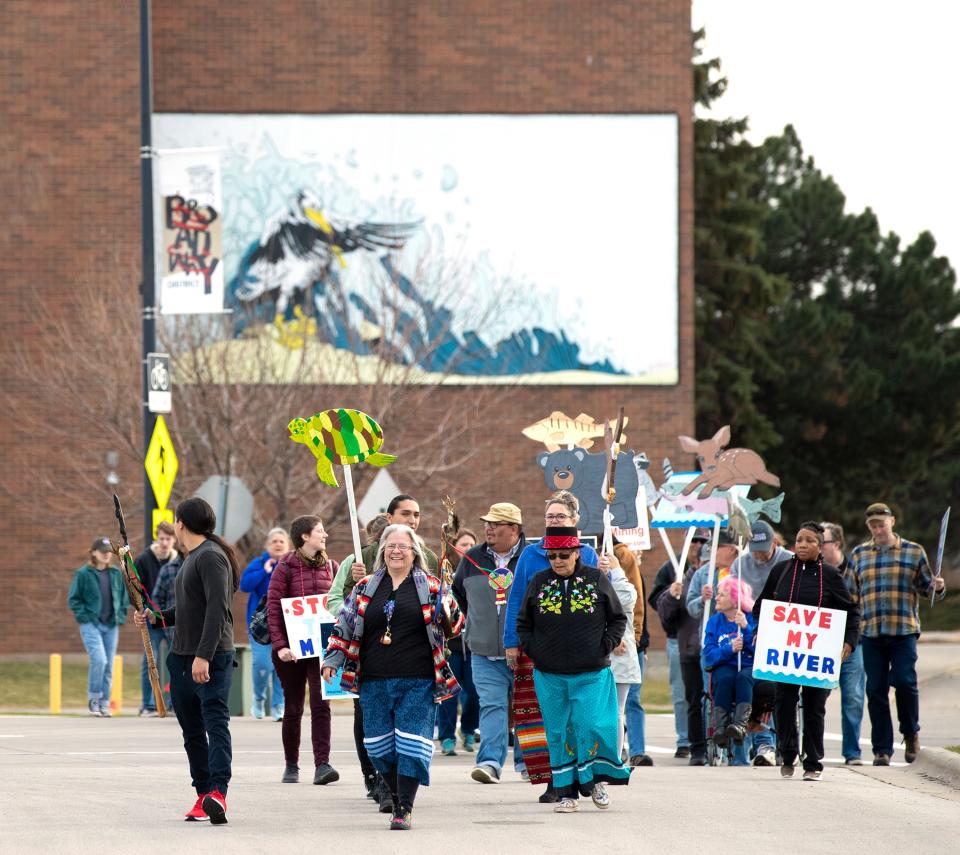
x=388, y=609
x=796, y=564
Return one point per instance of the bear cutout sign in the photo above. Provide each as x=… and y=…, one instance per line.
x=583, y=474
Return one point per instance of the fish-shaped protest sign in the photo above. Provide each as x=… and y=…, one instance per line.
x=770, y=508
x=345, y=437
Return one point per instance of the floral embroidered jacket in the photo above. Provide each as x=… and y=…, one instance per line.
x=570, y=625
x=343, y=649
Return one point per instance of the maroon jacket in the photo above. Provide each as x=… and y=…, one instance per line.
x=294, y=578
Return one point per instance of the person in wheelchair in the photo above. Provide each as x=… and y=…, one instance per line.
x=728, y=647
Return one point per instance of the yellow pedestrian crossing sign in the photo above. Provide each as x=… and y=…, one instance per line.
x=161, y=463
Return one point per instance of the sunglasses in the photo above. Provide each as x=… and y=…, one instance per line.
x=563, y=556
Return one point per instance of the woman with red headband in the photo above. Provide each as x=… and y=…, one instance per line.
x=569, y=622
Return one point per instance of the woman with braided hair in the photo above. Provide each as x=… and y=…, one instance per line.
x=806, y=580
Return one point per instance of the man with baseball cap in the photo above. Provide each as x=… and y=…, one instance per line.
x=890, y=575
x=98, y=600
x=482, y=585
x=754, y=567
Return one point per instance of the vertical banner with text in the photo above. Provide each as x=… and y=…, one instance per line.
x=189, y=237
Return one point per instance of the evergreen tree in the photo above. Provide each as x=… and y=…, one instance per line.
x=868, y=378
x=832, y=350
x=734, y=294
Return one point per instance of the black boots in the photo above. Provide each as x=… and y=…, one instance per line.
x=721, y=726
x=737, y=729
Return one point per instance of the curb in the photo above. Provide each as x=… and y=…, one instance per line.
x=937, y=765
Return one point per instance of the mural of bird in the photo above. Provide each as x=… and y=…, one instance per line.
x=300, y=245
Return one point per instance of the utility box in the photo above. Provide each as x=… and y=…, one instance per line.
x=241, y=689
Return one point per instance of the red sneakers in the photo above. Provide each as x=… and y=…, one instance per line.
x=215, y=806
x=197, y=813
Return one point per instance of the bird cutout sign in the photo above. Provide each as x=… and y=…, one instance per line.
x=559, y=431
x=346, y=437
x=722, y=467
x=647, y=488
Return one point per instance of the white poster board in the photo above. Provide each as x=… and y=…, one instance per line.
x=308, y=625
x=637, y=539
x=799, y=644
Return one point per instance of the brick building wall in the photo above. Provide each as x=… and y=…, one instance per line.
x=69, y=144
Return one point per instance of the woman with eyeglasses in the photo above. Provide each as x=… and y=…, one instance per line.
x=562, y=509
x=569, y=623
x=302, y=573
x=389, y=639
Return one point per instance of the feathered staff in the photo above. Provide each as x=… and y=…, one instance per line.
x=449, y=532
x=612, y=441
x=134, y=587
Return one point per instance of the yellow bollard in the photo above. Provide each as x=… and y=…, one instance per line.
x=116, y=687
x=56, y=683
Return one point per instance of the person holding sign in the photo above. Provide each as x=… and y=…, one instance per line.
x=389, y=639
x=305, y=572
x=805, y=580
x=728, y=655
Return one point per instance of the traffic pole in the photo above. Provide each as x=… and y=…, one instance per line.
x=148, y=283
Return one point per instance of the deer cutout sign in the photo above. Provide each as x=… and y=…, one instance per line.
x=722, y=469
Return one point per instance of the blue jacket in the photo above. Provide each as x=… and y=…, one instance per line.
x=532, y=560
x=717, y=643
x=255, y=582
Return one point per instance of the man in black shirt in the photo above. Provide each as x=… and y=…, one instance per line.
x=201, y=661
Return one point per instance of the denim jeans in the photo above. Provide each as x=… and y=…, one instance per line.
x=264, y=674
x=677, y=694
x=493, y=679
x=462, y=667
x=635, y=714
x=204, y=715
x=891, y=660
x=158, y=635
x=852, y=681
x=100, y=642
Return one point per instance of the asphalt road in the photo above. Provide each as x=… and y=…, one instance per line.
x=77, y=785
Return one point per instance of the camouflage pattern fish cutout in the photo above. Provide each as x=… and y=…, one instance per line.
x=340, y=436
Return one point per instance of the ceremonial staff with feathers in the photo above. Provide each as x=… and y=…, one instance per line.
x=137, y=594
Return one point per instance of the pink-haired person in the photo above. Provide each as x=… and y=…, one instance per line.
x=728, y=648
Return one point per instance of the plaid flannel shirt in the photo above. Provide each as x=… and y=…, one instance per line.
x=889, y=582
x=164, y=591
